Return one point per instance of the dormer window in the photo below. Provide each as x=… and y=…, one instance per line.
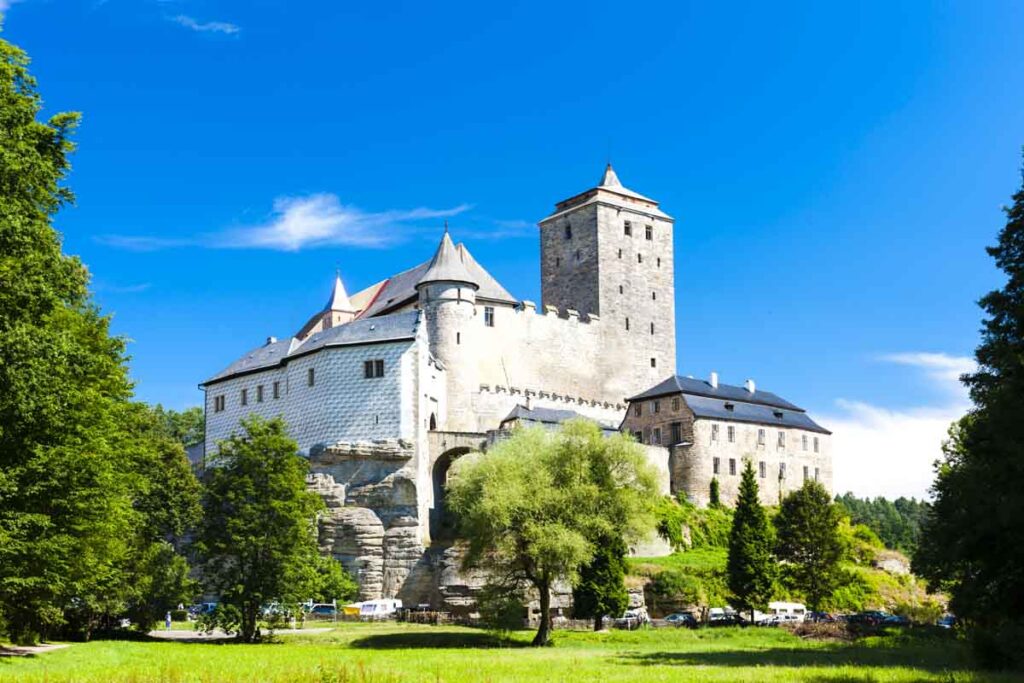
x=777, y=414
x=730, y=406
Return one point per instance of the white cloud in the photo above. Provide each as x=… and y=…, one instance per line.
x=890, y=452
x=122, y=289
x=203, y=27
x=300, y=222
x=6, y=4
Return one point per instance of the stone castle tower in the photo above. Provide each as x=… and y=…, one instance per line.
x=608, y=253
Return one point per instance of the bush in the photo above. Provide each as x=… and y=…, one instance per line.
x=502, y=609
x=179, y=615
x=684, y=525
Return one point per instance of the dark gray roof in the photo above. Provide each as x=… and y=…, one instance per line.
x=395, y=327
x=550, y=416
x=447, y=265
x=727, y=392
x=715, y=409
x=401, y=288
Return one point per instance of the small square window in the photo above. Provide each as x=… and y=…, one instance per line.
x=649, y=232
x=677, y=432
x=277, y=390
x=732, y=466
x=259, y=393
x=218, y=404
x=806, y=472
x=815, y=444
x=636, y=409
x=627, y=228
x=654, y=363
x=714, y=465
x=714, y=432
x=245, y=397
x=730, y=434
x=656, y=438
x=782, y=440
x=760, y=437
x=488, y=316
x=815, y=474
x=675, y=404
x=656, y=407
x=639, y=436
x=762, y=469
x=373, y=369
x=803, y=441
x=310, y=377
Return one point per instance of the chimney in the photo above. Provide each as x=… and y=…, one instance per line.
x=271, y=340
x=713, y=380
x=749, y=384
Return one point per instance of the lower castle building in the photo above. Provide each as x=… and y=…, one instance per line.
x=385, y=388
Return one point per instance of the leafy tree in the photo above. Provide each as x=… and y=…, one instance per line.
x=715, y=496
x=896, y=522
x=65, y=512
x=973, y=542
x=259, y=525
x=534, y=507
x=808, y=539
x=751, y=566
x=188, y=427
x=601, y=589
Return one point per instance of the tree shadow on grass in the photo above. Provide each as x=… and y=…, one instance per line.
x=933, y=660
x=425, y=640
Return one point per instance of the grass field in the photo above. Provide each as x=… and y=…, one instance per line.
x=397, y=652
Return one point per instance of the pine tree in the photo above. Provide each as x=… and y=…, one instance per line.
x=715, y=498
x=807, y=530
x=973, y=542
x=751, y=567
x=601, y=589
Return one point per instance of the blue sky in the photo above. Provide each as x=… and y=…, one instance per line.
x=836, y=171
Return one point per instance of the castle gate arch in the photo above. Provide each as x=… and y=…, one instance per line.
x=442, y=523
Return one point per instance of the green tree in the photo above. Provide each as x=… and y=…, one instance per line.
x=187, y=427
x=896, y=522
x=715, y=500
x=259, y=525
x=601, y=589
x=972, y=544
x=808, y=539
x=533, y=508
x=66, y=517
x=751, y=566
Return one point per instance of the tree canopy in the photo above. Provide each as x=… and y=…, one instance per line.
x=896, y=522
x=973, y=542
x=533, y=508
x=808, y=539
x=751, y=565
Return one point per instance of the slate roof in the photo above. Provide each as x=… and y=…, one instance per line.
x=609, y=191
x=395, y=327
x=401, y=288
x=447, y=265
x=549, y=416
x=760, y=407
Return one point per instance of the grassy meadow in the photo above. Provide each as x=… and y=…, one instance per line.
x=401, y=652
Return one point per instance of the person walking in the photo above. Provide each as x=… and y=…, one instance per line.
x=167, y=620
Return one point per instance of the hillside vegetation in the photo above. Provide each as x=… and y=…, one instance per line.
x=694, y=576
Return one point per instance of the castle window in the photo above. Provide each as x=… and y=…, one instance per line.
x=627, y=228
x=760, y=437
x=488, y=316
x=714, y=432
x=732, y=466
x=558, y=261
x=654, y=363
x=652, y=328
x=639, y=258
x=730, y=434
x=675, y=403
x=816, y=474
x=577, y=254
x=782, y=470
x=620, y=253
x=277, y=390
x=568, y=231
x=218, y=404
x=815, y=444
x=310, y=377
x=636, y=409
x=762, y=469
x=656, y=437
x=803, y=442
x=654, y=296
x=649, y=232
x=677, y=432
x=714, y=465
x=806, y=472
x=639, y=436
x=620, y=289
x=458, y=338
x=627, y=324
x=659, y=262
x=245, y=397
x=782, y=440
x=656, y=407
x=373, y=369
x=259, y=394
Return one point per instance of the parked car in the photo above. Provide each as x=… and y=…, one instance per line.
x=726, y=620
x=868, y=618
x=322, y=609
x=382, y=608
x=947, y=621
x=682, y=619
x=632, y=618
x=895, y=620
x=820, y=617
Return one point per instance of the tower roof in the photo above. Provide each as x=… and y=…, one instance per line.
x=609, y=179
x=448, y=265
x=339, y=300
x=610, y=191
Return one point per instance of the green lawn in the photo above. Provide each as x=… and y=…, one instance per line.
x=396, y=652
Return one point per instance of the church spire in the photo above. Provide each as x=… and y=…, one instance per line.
x=339, y=300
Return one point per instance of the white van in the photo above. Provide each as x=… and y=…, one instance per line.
x=781, y=612
x=379, y=609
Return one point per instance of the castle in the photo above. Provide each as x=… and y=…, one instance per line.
x=383, y=389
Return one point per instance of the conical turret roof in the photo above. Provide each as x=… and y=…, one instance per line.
x=448, y=265
x=339, y=300
x=609, y=179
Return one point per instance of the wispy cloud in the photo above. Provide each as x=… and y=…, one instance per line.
x=6, y=4
x=501, y=229
x=890, y=452
x=302, y=222
x=122, y=289
x=203, y=26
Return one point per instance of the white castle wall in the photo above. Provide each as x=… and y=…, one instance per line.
x=341, y=405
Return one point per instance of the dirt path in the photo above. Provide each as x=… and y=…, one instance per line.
x=29, y=650
x=196, y=637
